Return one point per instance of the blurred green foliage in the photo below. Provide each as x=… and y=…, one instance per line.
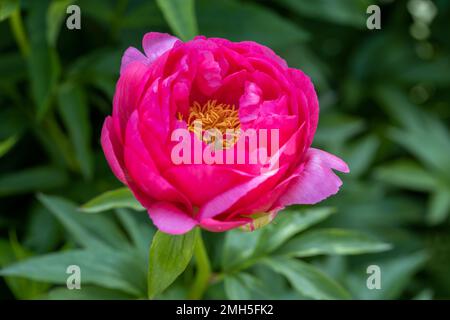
x=385, y=109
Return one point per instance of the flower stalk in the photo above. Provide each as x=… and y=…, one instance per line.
x=203, y=273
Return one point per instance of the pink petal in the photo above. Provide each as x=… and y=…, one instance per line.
x=220, y=226
x=111, y=152
x=201, y=183
x=132, y=54
x=227, y=199
x=309, y=97
x=316, y=181
x=143, y=171
x=249, y=102
x=232, y=87
x=257, y=48
x=270, y=88
x=155, y=44
x=170, y=219
x=129, y=90
x=264, y=203
x=209, y=77
x=249, y=192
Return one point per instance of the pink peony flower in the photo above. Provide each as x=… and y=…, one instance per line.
x=221, y=85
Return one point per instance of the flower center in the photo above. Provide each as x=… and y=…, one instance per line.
x=223, y=119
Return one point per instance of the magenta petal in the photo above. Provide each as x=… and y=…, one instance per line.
x=316, y=181
x=191, y=180
x=247, y=192
x=143, y=171
x=249, y=102
x=169, y=219
x=227, y=199
x=220, y=226
x=309, y=96
x=107, y=143
x=209, y=77
x=132, y=54
x=155, y=44
x=129, y=89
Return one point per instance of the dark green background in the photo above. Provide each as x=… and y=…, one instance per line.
x=385, y=108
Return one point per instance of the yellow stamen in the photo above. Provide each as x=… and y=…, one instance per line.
x=221, y=117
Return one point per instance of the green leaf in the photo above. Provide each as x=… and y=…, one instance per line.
x=345, y=12
x=241, y=286
x=180, y=15
x=306, y=279
x=239, y=247
x=56, y=142
x=43, y=231
x=289, y=223
x=7, y=144
x=74, y=113
x=272, y=285
x=140, y=234
x=169, y=256
x=424, y=135
x=43, y=63
x=11, y=252
x=331, y=241
x=55, y=16
x=439, y=207
x=396, y=275
x=238, y=21
x=109, y=269
x=119, y=198
x=398, y=106
x=435, y=71
x=88, y=293
x=425, y=148
x=7, y=7
x=407, y=174
x=90, y=231
x=360, y=155
x=32, y=180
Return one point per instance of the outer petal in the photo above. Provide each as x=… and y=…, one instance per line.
x=249, y=192
x=316, y=181
x=170, y=219
x=155, y=44
x=130, y=55
x=220, y=226
x=309, y=96
x=227, y=199
x=257, y=48
x=129, y=90
x=142, y=169
x=110, y=148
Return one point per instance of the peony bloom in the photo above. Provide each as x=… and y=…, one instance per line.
x=221, y=85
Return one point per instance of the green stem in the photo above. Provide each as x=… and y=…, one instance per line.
x=203, y=273
x=19, y=33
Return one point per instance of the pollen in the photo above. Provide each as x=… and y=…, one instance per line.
x=211, y=116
